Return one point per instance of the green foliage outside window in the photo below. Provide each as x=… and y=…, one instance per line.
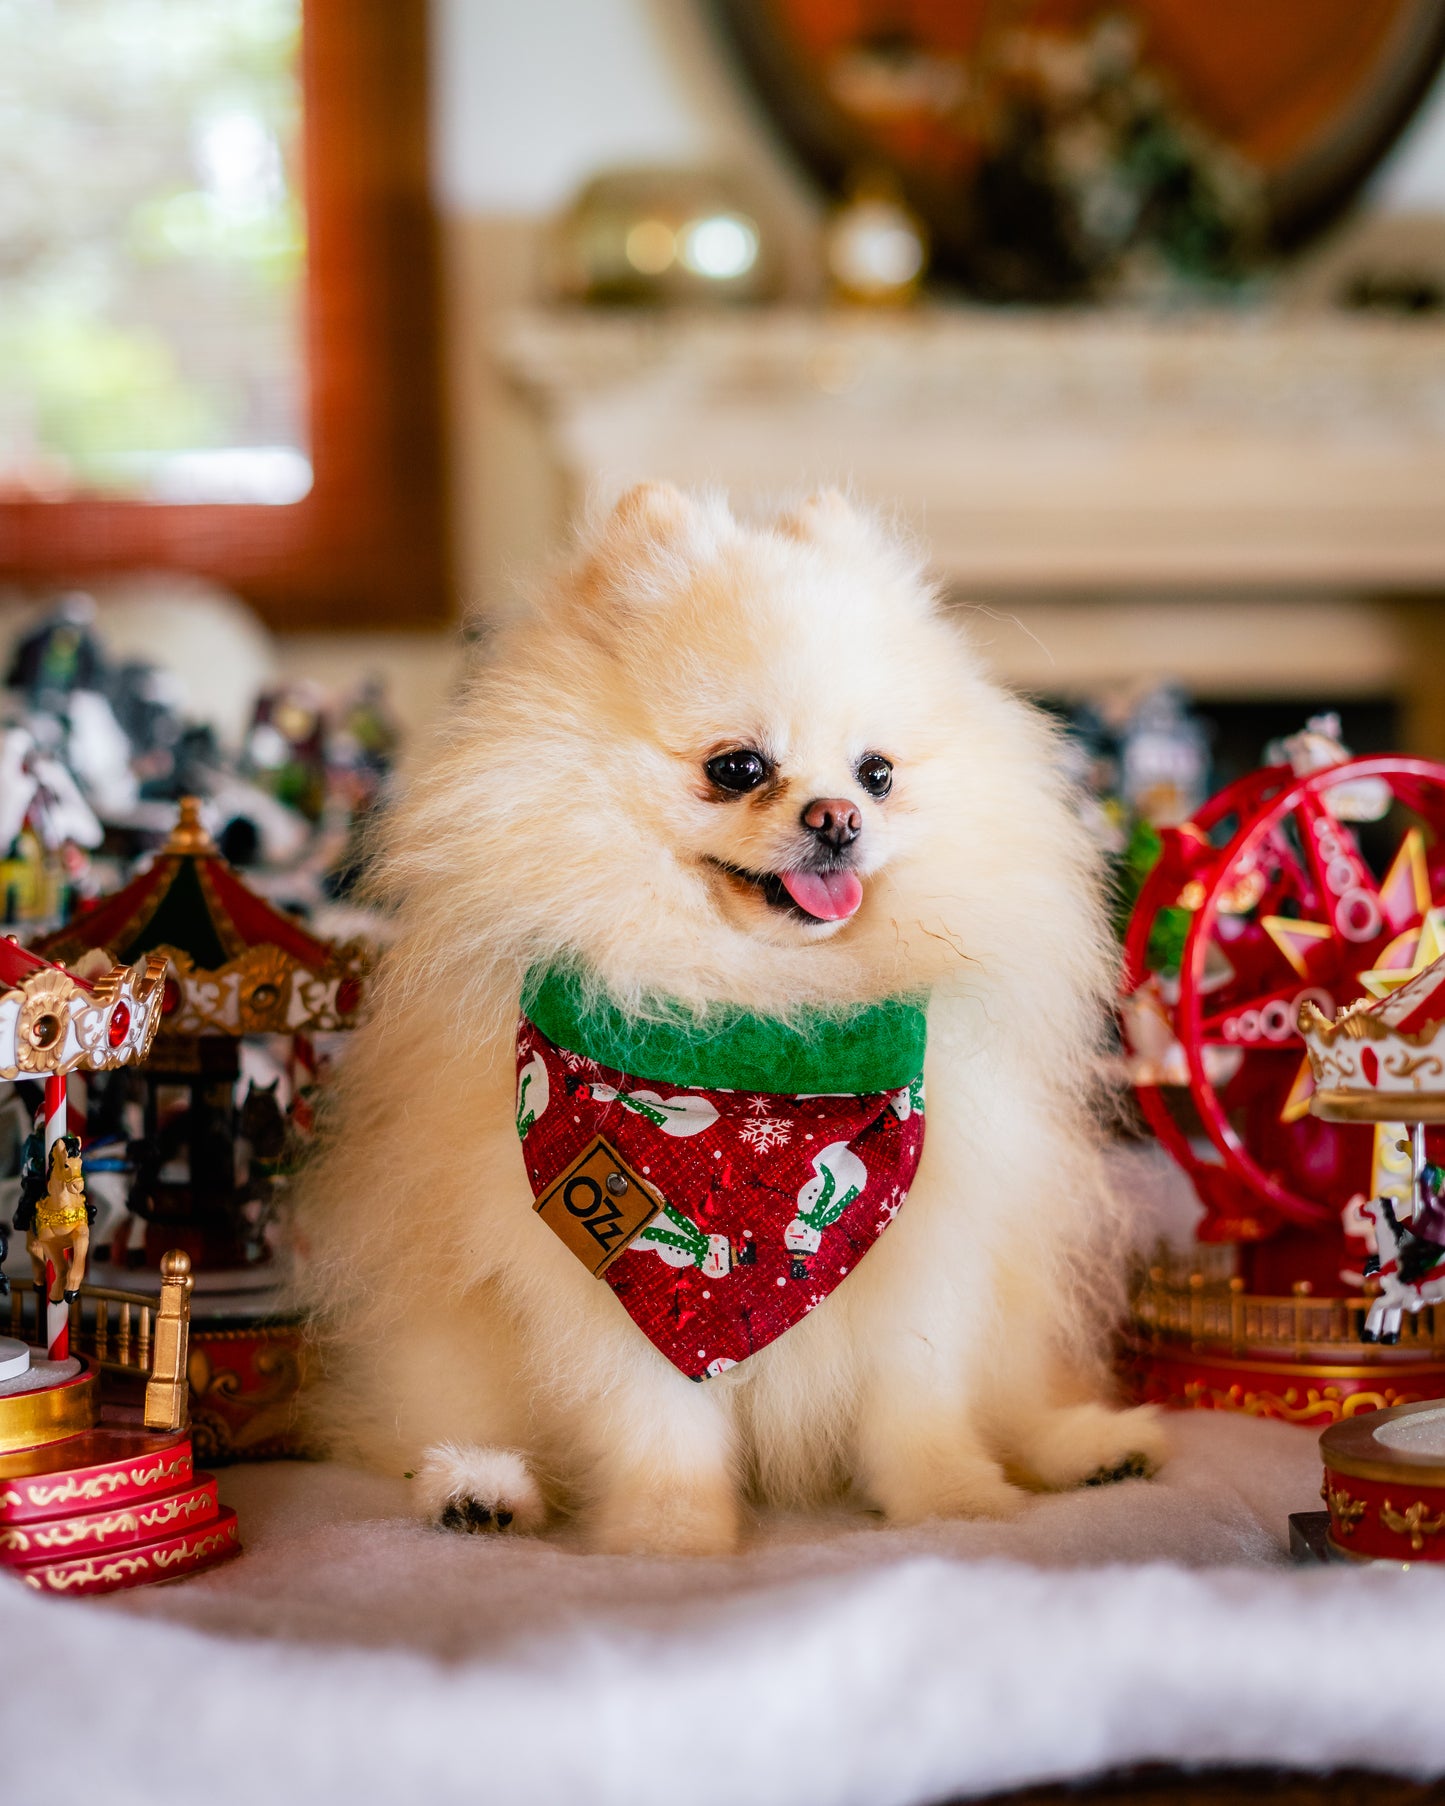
x=151, y=237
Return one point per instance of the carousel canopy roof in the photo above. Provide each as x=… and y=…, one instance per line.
x=241, y=966
x=18, y=963
x=188, y=899
x=1415, y=1004
x=1383, y=1058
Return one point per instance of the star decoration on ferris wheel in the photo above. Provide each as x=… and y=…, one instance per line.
x=1406, y=905
x=1417, y=947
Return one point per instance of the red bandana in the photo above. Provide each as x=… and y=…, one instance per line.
x=719, y=1218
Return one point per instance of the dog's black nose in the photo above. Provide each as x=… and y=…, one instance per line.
x=834, y=819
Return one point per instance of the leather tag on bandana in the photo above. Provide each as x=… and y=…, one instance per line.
x=599, y=1206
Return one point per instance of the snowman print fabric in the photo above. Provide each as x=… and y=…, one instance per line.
x=718, y=1218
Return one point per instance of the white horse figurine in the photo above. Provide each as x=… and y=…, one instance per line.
x=1397, y=1295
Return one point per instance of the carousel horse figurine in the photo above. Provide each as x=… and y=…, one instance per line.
x=1399, y=1291
x=261, y=1131
x=33, y=1184
x=58, y=1224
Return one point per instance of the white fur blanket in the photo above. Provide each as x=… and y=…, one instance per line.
x=352, y=1655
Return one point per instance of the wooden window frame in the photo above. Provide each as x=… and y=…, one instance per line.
x=367, y=546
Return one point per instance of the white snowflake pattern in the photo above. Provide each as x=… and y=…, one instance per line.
x=764, y=1133
x=760, y=1105
x=576, y=1062
x=890, y=1207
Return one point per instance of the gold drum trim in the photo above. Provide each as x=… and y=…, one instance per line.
x=1350, y=1448
x=30, y=1420
x=1378, y=1106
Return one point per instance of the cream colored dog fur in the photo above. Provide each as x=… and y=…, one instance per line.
x=566, y=813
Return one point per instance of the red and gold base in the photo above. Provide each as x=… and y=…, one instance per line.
x=109, y=1465
x=1315, y=1393
x=1386, y=1498
x=103, y=1504
x=141, y=1564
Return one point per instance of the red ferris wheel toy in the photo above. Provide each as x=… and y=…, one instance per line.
x=1320, y=880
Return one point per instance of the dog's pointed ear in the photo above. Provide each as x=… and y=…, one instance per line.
x=829, y=520
x=827, y=514
x=658, y=511
x=643, y=548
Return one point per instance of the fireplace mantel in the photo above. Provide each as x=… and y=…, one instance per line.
x=1062, y=454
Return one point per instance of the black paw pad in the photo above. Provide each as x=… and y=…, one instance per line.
x=468, y=1515
x=1132, y=1467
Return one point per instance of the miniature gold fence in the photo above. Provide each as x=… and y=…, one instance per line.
x=1174, y=1304
x=130, y=1333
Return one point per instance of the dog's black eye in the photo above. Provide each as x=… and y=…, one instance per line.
x=738, y=771
x=875, y=774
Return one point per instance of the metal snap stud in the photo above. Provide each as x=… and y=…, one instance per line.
x=616, y=1184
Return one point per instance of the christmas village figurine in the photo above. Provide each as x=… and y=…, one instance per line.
x=47, y=831
x=62, y=684
x=117, y=728
x=285, y=750
x=1311, y=887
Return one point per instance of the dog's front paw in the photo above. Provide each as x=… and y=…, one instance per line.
x=966, y=1484
x=1091, y=1445
x=1136, y=1466
x=479, y=1490
x=664, y=1521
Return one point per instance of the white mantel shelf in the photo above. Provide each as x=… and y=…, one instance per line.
x=1069, y=453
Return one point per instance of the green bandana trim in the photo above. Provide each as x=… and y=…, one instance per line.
x=877, y=1047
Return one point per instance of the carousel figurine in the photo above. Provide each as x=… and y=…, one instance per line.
x=54, y=1022
x=204, y=1129
x=241, y=974
x=98, y=1486
x=1381, y=1060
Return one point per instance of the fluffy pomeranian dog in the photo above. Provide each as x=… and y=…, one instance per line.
x=754, y=767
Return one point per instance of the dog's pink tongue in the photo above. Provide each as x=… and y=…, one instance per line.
x=830, y=896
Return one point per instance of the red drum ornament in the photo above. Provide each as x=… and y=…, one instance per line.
x=1384, y=1486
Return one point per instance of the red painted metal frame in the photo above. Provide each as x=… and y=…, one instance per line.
x=1261, y=801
